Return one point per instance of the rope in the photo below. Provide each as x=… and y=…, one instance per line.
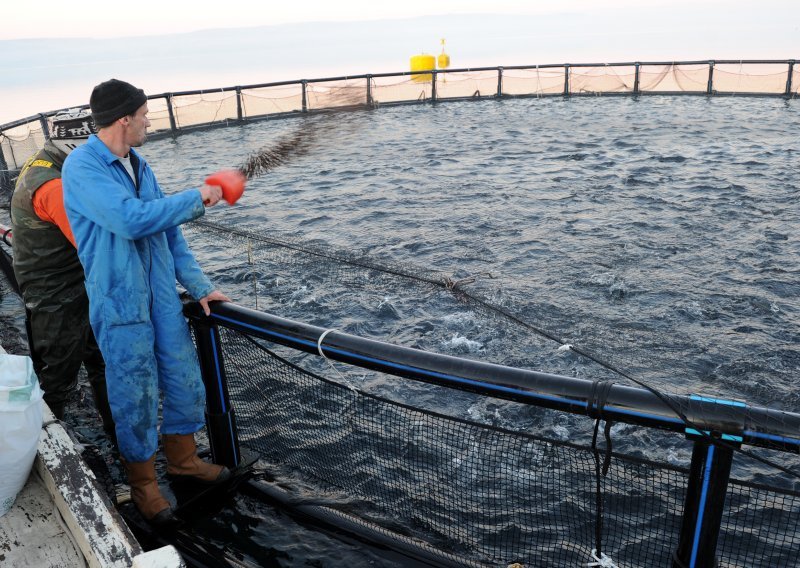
x=596, y=409
x=739, y=79
x=602, y=561
x=619, y=77
x=366, y=263
x=451, y=284
x=538, y=83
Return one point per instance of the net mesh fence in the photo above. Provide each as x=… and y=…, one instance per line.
x=674, y=78
x=535, y=82
x=465, y=85
x=19, y=143
x=488, y=494
x=158, y=114
x=205, y=108
x=267, y=265
x=336, y=94
x=765, y=78
x=272, y=100
x=603, y=79
x=220, y=106
x=400, y=89
x=642, y=524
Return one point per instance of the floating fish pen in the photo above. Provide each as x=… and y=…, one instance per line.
x=172, y=113
x=441, y=488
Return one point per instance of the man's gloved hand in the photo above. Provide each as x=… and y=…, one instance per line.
x=232, y=184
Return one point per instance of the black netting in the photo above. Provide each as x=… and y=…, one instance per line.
x=356, y=280
x=485, y=493
x=760, y=527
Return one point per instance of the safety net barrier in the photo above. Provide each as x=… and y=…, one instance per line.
x=172, y=113
x=471, y=491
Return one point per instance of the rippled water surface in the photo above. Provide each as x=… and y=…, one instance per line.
x=659, y=234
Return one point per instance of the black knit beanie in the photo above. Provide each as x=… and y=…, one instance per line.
x=114, y=99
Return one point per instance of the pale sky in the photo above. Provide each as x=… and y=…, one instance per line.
x=102, y=19
x=348, y=37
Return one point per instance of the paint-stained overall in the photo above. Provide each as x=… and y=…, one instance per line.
x=133, y=252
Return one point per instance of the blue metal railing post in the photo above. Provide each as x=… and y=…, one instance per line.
x=220, y=417
x=709, y=473
x=703, y=507
x=710, y=86
x=789, y=78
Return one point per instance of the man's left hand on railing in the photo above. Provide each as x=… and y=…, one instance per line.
x=215, y=296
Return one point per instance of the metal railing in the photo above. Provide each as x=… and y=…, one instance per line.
x=716, y=428
x=176, y=112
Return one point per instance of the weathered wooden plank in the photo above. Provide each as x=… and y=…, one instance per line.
x=98, y=530
x=32, y=534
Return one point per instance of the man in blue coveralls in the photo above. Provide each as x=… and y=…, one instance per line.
x=132, y=251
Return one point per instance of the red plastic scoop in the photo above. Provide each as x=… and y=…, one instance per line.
x=231, y=182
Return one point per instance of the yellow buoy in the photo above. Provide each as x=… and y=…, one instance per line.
x=444, y=59
x=422, y=62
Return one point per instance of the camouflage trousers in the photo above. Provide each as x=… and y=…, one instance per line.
x=61, y=340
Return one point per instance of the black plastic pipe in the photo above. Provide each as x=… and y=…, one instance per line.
x=756, y=426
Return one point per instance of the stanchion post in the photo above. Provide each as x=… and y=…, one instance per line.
x=433, y=86
x=710, y=86
x=636, y=79
x=709, y=473
x=239, y=111
x=369, y=92
x=220, y=417
x=789, y=78
x=704, y=505
x=566, y=80
x=303, y=85
x=499, y=82
x=5, y=173
x=45, y=126
x=172, y=124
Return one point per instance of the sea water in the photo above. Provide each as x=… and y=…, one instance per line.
x=657, y=233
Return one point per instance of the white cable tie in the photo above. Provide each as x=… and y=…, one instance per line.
x=565, y=347
x=319, y=342
x=602, y=562
x=330, y=363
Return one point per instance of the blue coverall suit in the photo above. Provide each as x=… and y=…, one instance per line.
x=132, y=253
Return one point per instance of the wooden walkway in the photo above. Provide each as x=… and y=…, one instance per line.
x=62, y=518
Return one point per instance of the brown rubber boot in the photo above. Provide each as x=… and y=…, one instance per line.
x=145, y=492
x=182, y=460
